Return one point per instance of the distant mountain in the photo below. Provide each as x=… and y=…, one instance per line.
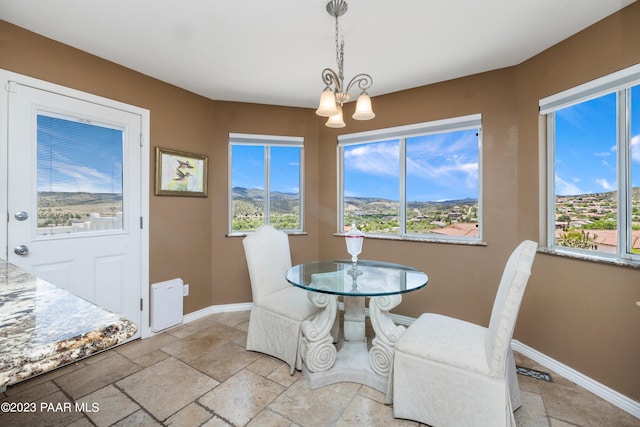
x=440, y=204
x=248, y=201
x=445, y=203
x=61, y=198
x=252, y=193
x=257, y=196
x=607, y=195
x=246, y=193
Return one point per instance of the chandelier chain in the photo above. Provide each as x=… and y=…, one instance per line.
x=339, y=52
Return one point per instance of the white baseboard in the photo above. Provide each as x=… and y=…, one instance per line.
x=600, y=390
x=213, y=309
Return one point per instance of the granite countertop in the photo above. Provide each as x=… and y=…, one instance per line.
x=43, y=327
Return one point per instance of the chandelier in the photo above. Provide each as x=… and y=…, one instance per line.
x=335, y=93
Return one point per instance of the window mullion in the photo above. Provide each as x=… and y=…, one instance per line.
x=267, y=184
x=301, y=190
x=403, y=187
x=340, y=189
x=624, y=174
x=551, y=185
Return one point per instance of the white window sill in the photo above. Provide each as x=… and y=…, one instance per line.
x=246, y=233
x=592, y=258
x=466, y=242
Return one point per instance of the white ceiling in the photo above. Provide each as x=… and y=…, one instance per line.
x=272, y=52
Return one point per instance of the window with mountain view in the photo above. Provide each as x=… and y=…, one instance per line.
x=79, y=175
x=266, y=182
x=593, y=135
x=418, y=181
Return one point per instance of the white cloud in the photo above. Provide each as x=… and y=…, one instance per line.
x=442, y=171
x=635, y=149
x=374, y=159
x=67, y=177
x=441, y=157
x=564, y=188
x=604, y=184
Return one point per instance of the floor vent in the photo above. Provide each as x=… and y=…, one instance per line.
x=538, y=375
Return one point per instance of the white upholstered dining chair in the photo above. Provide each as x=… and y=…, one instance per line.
x=449, y=372
x=278, y=308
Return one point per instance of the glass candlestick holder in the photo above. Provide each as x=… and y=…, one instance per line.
x=354, y=239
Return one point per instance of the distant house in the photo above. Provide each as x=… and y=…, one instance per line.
x=606, y=239
x=460, y=229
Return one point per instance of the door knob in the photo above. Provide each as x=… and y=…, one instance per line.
x=21, y=216
x=21, y=250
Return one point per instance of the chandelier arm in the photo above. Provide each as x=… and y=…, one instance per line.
x=364, y=82
x=330, y=77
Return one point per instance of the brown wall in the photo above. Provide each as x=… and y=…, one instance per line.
x=580, y=313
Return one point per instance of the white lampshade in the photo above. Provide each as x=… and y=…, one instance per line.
x=363, y=108
x=327, y=106
x=336, y=121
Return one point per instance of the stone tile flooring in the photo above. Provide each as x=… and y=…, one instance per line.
x=199, y=374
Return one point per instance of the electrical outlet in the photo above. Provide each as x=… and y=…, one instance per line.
x=185, y=290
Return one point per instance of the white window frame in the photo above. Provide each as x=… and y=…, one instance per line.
x=473, y=121
x=265, y=141
x=619, y=82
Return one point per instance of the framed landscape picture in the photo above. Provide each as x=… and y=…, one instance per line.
x=179, y=173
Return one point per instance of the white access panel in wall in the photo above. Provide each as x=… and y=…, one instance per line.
x=166, y=304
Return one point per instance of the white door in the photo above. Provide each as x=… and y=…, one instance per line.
x=74, y=196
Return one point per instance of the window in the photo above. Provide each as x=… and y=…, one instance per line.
x=79, y=175
x=593, y=137
x=266, y=182
x=418, y=181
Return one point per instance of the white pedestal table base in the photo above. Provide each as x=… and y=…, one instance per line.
x=351, y=365
x=322, y=365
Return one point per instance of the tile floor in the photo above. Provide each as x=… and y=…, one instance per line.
x=199, y=374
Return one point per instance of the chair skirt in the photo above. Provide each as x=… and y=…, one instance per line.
x=441, y=376
x=274, y=334
x=439, y=395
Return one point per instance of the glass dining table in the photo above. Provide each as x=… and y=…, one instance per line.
x=382, y=282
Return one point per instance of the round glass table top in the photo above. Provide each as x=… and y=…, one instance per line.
x=368, y=278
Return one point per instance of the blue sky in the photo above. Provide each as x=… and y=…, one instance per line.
x=439, y=167
x=78, y=157
x=586, y=146
x=75, y=156
x=248, y=168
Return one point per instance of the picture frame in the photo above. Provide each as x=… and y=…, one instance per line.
x=179, y=173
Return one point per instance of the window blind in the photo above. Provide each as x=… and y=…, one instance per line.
x=252, y=139
x=593, y=89
x=460, y=123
